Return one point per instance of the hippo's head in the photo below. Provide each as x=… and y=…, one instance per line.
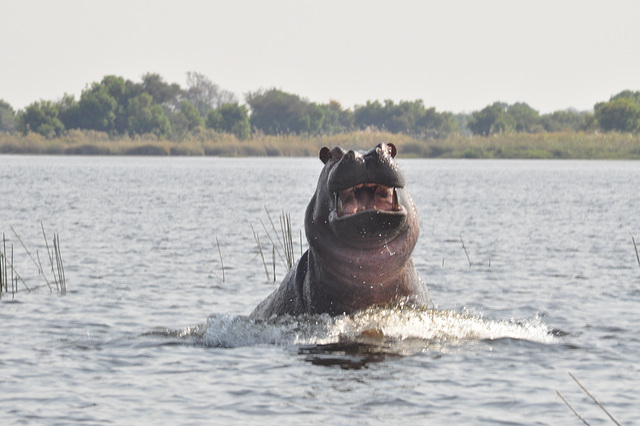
x=362, y=227
x=361, y=213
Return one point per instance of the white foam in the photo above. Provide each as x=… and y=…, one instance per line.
x=389, y=325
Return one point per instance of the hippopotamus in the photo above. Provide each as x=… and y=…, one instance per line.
x=361, y=226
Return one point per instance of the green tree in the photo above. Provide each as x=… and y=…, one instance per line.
x=41, y=117
x=234, y=119
x=97, y=109
x=7, y=117
x=69, y=112
x=116, y=87
x=403, y=117
x=526, y=118
x=102, y=106
x=567, y=120
x=410, y=117
x=185, y=120
x=277, y=112
x=369, y=115
x=621, y=113
x=191, y=114
x=627, y=94
x=435, y=125
x=336, y=120
x=147, y=117
x=230, y=118
x=491, y=119
x=214, y=120
x=119, y=89
x=162, y=93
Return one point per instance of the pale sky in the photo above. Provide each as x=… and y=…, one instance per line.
x=457, y=56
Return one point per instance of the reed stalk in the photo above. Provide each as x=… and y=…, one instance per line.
x=59, y=265
x=594, y=399
x=3, y=267
x=287, y=238
x=38, y=266
x=257, y=238
x=465, y=250
x=273, y=227
x=571, y=408
x=15, y=276
x=282, y=244
x=286, y=242
x=221, y=261
x=53, y=272
x=636, y=248
x=55, y=259
x=13, y=286
x=274, y=263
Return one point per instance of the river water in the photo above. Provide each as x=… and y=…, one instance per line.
x=530, y=264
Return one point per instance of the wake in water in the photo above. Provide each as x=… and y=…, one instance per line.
x=372, y=335
x=397, y=329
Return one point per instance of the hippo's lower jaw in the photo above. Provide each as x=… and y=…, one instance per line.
x=368, y=228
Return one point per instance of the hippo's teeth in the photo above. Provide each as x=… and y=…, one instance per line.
x=395, y=206
x=366, y=196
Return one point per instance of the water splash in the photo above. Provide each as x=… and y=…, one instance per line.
x=399, y=329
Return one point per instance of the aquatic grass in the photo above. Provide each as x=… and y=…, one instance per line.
x=571, y=408
x=61, y=276
x=55, y=259
x=221, y=261
x=38, y=265
x=15, y=276
x=284, y=247
x=276, y=247
x=3, y=267
x=257, y=238
x=465, y=251
x=635, y=246
x=593, y=398
x=4, y=278
x=287, y=238
x=273, y=252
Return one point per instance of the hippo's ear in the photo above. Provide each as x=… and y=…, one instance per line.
x=392, y=150
x=325, y=154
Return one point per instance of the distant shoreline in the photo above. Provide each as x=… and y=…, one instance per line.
x=558, y=145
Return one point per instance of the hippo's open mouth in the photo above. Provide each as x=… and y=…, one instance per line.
x=367, y=214
x=366, y=196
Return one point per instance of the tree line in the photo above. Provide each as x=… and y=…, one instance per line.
x=152, y=106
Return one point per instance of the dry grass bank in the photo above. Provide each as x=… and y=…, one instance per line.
x=566, y=145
